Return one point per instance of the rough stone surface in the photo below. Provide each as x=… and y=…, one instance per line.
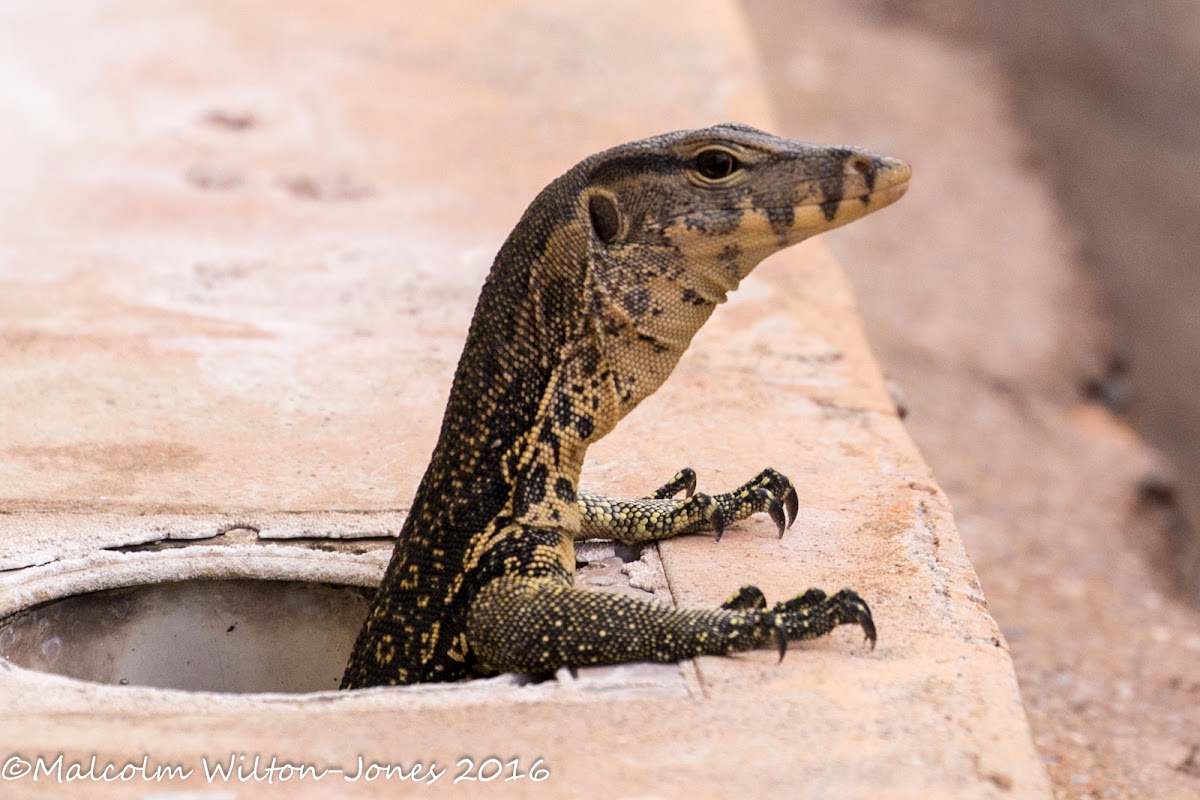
x=239, y=256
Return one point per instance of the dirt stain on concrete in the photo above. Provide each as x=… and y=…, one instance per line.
x=121, y=458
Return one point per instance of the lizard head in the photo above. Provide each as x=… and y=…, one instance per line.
x=724, y=198
x=675, y=222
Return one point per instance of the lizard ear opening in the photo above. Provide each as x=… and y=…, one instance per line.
x=606, y=217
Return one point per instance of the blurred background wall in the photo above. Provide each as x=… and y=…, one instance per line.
x=1109, y=93
x=1033, y=300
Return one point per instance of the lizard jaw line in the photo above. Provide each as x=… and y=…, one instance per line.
x=876, y=199
x=885, y=196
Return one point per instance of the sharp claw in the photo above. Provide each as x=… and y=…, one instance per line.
x=862, y=614
x=718, y=522
x=775, y=509
x=780, y=637
x=792, y=502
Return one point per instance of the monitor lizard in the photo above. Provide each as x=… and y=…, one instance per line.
x=590, y=303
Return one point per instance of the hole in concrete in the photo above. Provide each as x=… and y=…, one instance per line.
x=589, y=551
x=199, y=635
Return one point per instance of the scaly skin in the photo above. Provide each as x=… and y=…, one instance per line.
x=660, y=517
x=589, y=305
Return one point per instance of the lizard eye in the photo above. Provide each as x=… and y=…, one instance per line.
x=716, y=164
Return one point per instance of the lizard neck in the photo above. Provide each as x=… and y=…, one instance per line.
x=514, y=435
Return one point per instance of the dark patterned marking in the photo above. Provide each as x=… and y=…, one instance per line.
x=716, y=222
x=782, y=219
x=564, y=490
x=829, y=208
x=547, y=436
x=869, y=170
x=536, y=491
x=623, y=167
x=564, y=410
x=833, y=189
x=637, y=301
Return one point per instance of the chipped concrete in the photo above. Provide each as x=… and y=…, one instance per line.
x=253, y=283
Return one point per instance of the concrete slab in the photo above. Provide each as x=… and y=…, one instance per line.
x=241, y=245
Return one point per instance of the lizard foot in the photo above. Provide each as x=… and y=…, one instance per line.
x=814, y=614
x=770, y=491
x=661, y=515
x=747, y=598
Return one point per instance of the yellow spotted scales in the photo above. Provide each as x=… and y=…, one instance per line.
x=589, y=305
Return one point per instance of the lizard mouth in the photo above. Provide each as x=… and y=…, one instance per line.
x=885, y=186
x=876, y=199
x=885, y=196
x=895, y=188
x=888, y=185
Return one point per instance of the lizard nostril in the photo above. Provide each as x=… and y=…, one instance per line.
x=860, y=165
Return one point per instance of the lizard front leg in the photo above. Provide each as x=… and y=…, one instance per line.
x=660, y=515
x=537, y=625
